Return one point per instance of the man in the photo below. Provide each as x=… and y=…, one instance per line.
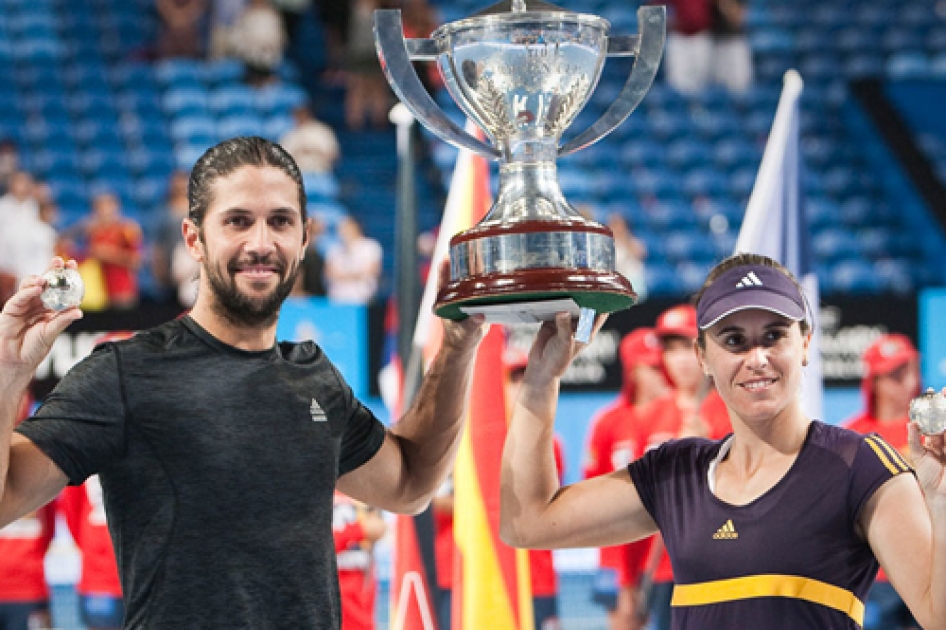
x=891, y=380
x=218, y=449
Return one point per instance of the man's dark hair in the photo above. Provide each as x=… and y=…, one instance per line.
x=225, y=158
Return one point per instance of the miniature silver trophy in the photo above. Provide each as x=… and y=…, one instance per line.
x=928, y=410
x=64, y=289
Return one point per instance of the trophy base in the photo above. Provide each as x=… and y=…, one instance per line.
x=534, y=294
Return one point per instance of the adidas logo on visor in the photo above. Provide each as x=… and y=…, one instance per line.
x=749, y=280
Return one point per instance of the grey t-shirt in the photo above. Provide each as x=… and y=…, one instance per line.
x=218, y=467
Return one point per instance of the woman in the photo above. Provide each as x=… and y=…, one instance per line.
x=781, y=525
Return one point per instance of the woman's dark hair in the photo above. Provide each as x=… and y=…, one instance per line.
x=739, y=260
x=225, y=158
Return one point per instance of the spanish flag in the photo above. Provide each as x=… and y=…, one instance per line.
x=491, y=584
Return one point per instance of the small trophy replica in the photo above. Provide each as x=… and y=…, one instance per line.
x=929, y=412
x=64, y=289
x=522, y=70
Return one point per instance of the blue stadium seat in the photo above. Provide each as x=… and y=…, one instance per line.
x=47, y=162
x=150, y=191
x=100, y=134
x=278, y=98
x=223, y=71
x=98, y=163
x=133, y=77
x=239, y=125
x=38, y=50
x=143, y=102
x=322, y=186
x=182, y=101
x=194, y=128
x=274, y=127
x=688, y=245
x=662, y=279
x=894, y=275
x=652, y=181
x=179, y=73
x=937, y=67
x=145, y=161
x=833, y=244
x=99, y=106
x=907, y=65
x=704, y=182
x=231, y=100
x=686, y=153
x=854, y=275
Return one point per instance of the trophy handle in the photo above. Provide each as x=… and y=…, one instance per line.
x=647, y=48
x=395, y=59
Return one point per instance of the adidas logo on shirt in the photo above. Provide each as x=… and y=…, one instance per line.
x=315, y=409
x=749, y=280
x=726, y=532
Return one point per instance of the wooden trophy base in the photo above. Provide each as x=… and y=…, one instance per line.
x=534, y=294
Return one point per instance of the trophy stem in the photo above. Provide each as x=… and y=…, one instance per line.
x=529, y=191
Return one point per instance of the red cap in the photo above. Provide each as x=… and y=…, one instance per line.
x=640, y=347
x=679, y=321
x=887, y=353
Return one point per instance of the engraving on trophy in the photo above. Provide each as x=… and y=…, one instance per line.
x=522, y=71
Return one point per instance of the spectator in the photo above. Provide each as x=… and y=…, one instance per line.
x=99, y=589
x=367, y=95
x=613, y=443
x=891, y=380
x=260, y=42
x=24, y=594
x=733, y=54
x=706, y=43
x=223, y=17
x=353, y=265
x=356, y=528
x=181, y=28
x=311, y=142
x=9, y=163
x=115, y=242
x=168, y=236
x=23, y=235
x=629, y=254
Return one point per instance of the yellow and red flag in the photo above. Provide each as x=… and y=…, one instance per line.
x=491, y=585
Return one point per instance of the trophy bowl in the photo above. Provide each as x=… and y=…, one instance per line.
x=522, y=71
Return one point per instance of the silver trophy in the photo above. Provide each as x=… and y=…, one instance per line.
x=522, y=71
x=929, y=412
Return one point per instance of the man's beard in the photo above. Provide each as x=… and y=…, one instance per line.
x=239, y=308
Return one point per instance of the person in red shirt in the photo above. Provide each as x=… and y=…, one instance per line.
x=891, y=379
x=115, y=242
x=356, y=528
x=613, y=444
x=99, y=589
x=24, y=593
x=692, y=408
